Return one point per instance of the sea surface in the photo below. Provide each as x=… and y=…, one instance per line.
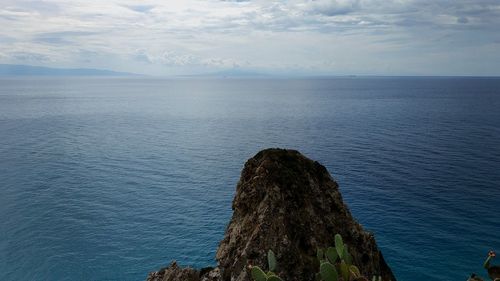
x=111, y=178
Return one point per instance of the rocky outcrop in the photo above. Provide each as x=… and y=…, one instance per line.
x=289, y=204
x=174, y=272
x=474, y=277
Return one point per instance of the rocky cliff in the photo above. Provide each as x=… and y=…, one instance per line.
x=289, y=204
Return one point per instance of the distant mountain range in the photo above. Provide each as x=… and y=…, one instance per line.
x=231, y=73
x=29, y=70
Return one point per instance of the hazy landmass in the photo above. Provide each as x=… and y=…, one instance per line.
x=29, y=70
x=233, y=73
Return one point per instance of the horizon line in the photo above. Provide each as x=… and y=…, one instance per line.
x=238, y=73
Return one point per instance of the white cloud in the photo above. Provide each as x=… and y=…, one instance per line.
x=333, y=7
x=175, y=59
x=319, y=36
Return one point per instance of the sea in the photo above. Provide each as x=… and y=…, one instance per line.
x=112, y=178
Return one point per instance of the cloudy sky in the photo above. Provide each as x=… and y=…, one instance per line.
x=338, y=37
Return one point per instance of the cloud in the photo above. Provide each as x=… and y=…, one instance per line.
x=275, y=35
x=176, y=59
x=61, y=37
x=30, y=57
x=333, y=7
x=141, y=8
x=462, y=20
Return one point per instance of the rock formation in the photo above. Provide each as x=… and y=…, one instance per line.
x=289, y=204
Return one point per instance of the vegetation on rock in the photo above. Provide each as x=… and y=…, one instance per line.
x=259, y=275
x=335, y=265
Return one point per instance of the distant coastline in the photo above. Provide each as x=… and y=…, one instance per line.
x=30, y=70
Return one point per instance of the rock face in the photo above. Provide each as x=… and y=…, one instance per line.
x=289, y=204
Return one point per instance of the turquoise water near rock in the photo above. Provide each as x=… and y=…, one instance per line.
x=110, y=178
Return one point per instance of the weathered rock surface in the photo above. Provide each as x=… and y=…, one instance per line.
x=474, y=277
x=174, y=272
x=289, y=204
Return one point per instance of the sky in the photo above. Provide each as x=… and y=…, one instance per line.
x=310, y=37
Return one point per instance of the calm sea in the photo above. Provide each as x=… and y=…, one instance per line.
x=108, y=179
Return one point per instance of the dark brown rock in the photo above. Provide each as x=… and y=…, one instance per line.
x=289, y=204
x=173, y=273
x=474, y=277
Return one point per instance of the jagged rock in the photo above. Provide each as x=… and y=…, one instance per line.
x=289, y=204
x=173, y=272
x=474, y=277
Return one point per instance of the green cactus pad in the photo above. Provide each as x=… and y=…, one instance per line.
x=339, y=245
x=271, y=260
x=331, y=254
x=346, y=256
x=258, y=274
x=354, y=271
x=320, y=254
x=328, y=272
x=344, y=270
x=270, y=273
x=274, y=278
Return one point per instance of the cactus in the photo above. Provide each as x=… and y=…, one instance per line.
x=346, y=256
x=328, y=272
x=354, y=271
x=339, y=245
x=320, y=254
x=332, y=255
x=271, y=260
x=344, y=271
x=335, y=265
x=259, y=275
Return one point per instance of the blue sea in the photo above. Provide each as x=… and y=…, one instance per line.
x=111, y=178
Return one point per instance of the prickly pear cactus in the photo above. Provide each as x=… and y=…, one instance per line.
x=259, y=275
